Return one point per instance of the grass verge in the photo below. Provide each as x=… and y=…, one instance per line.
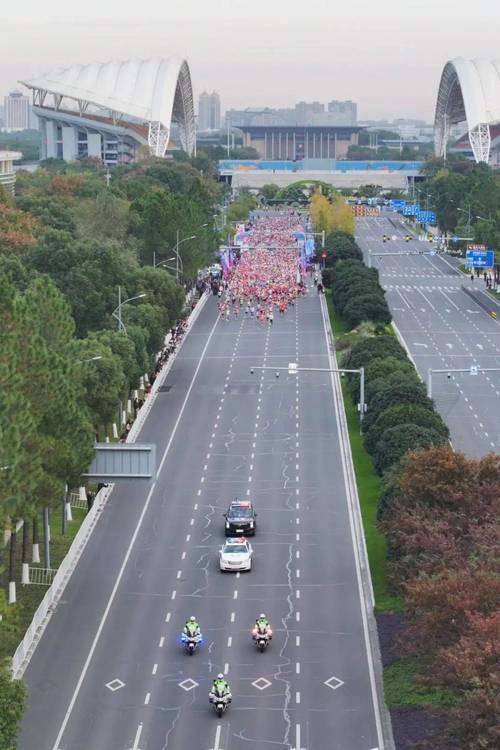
x=402, y=687
x=17, y=617
x=368, y=483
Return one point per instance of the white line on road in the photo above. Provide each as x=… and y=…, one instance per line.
x=167, y=617
x=147, y=699
x=297, y=594
x=179, y=574
x=155, y=669
x=137, y=737
x=297, y=668
x=229, y=641
x=217, y=737
x=297, y=697
x=233, y=616
x=188, y=538
x=183, y=556
x=162, y=641
x=235, y=594
x=297, y=737
x=297, y=640
x=297, y=616
x=174, y=594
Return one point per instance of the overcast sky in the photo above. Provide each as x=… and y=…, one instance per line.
x=386, y=54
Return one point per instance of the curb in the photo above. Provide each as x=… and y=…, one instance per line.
x=381, y=710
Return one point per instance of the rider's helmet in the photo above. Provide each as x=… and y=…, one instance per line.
x=220, y=676
x=192, y=618
x=262, y=616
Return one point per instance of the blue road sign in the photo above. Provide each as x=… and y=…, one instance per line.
x=480, y=258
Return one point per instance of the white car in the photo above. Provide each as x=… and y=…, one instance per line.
x=236, y=554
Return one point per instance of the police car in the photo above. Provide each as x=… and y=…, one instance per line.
x=240, y=518
x=235, y=554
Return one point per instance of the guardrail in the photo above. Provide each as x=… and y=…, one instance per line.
x=40, y=619
x=25, y=650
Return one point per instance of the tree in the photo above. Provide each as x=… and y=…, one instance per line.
x=407, y=392
x=389, y=381
x=396, y=441
x=366, y=307
x=341, y=245
x=403, y=414
x=12, y=702
x=123, y=347
x=104, y=382
x=269, y=191
x=102, y=218
x=437, y=605
x=374, y=347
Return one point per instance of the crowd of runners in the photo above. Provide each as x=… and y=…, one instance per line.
x=267, y=278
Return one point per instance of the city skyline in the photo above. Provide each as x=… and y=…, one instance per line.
x=330, y=52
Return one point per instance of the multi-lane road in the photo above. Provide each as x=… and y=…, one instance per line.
x=109, y=673
x=443, y=328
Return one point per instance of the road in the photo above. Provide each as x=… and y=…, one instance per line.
x=443, y=328
x=109, y=673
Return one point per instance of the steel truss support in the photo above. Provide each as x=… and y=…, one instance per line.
x=480, y=141
x=158, y=137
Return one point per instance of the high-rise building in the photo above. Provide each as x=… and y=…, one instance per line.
x=346, y=113
x=16, y=111
x=209, y=111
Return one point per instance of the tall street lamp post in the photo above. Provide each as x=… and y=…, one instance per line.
x=117, y=312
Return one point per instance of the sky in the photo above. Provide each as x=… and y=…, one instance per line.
x=387, y=55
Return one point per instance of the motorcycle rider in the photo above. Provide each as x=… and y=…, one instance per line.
x=191, y=627
x=220, y=686
x=262, y=622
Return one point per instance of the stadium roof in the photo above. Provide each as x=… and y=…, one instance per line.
x=469, y=91
x=157, y=91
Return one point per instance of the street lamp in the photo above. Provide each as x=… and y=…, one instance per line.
x=90, y=359
x=463, y=211
x=161, y=262
x=177, y=255
x=117, y=312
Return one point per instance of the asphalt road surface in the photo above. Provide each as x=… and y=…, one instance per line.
x=443, y=328
x=109, y=673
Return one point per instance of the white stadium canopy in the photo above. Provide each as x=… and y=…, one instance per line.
x=469, y=91
x=155, y=91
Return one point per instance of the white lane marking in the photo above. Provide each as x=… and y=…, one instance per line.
x=233, y=616
x=297, y=697
x=162, y=641
x=297, y=521
x=226, y=668
x=297, y=668
x=147, y=699
x=205, y=467
x=217, y=737
x=179, y=573
x=198, y=493
x=155, y=669
x=297, y=573
x=297, y=737
x=202, y=479
x=208, y=455
x=191, y=523
x=188, y=537
x=235, y=595
x=196, y=506
x=168, y=616
x=297, y=640
x=297, y=616
x=174, y=594
x=297, y=537
x=297, y=594
x=229, y=641
x=297, y=554
x=183, y=556
x=238, y=574
x=135, y=746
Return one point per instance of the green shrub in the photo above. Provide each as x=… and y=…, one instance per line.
x=396, y=441
x=404, y=414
